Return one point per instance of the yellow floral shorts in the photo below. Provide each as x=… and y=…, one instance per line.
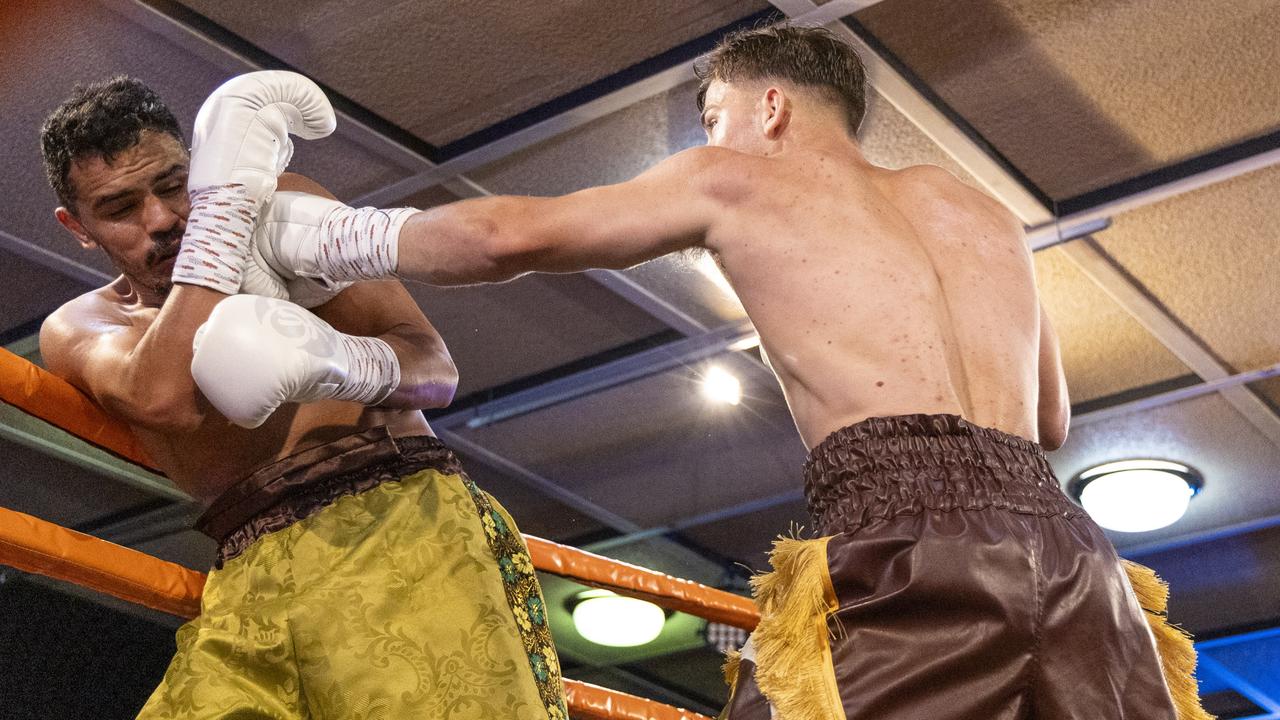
x=413, y=599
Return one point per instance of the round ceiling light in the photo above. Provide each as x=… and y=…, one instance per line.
x=606, y=618
x=720, y=385
x=1136, y=495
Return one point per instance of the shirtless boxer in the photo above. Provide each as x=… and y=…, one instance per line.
x=360, y=572
x=952, y=578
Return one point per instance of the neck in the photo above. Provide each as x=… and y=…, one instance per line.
x=132, y=293
x=821, y=137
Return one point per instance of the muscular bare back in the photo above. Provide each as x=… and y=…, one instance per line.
x=879, y=292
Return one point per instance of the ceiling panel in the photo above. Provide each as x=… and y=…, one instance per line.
x=534, y=512
x=747, y=540
x=1104, y=350
x=655, y=451
x=1241, y=467
x=1270, y=390
x=1079, y=94
x=442, y=70
x=500, y=333
x=29, y=291
x=1213, y=257
x=1228, y=583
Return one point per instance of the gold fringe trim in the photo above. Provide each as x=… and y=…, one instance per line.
x=1173, y=644
x=732, y=661
x=791, y=639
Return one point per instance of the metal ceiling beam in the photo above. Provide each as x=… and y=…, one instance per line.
x=1175, y=396
x=57, y=262
x=643, y=364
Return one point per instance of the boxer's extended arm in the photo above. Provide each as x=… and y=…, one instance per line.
x=1054, y=411
x=385, y=310
x=141, y=376
x=669, y=207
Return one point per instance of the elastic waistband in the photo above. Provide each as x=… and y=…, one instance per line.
x=294, y=488
x=887, y=466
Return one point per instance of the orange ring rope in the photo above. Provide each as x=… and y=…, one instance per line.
x=38, y=546
x=52, y=399
x=34, y=545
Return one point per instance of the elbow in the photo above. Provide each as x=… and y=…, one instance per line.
x=432, y=385
x=1053, y=433
x=170, y=413
x=506, y=247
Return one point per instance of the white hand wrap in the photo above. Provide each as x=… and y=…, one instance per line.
x=256, y=353
x=240, y=145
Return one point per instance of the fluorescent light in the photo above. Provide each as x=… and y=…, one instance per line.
x=606, y=618
x=720, y=385
x=1136, y=495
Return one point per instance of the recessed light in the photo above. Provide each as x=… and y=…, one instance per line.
x=1136, y=495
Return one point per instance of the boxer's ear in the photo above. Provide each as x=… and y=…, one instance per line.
x=775, y=109
x=68, y=220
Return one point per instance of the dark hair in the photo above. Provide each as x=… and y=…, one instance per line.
x=100, y=120
x=811, y=57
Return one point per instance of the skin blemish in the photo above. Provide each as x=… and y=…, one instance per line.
x=879, y=383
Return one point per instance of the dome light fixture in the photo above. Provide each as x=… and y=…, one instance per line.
x=1136, y=495
x=606, y=618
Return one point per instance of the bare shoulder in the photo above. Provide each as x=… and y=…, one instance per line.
x=726, y=176
x=939, y=186
x=76, y=323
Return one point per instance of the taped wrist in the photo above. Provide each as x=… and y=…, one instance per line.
x=360, y=243
x=373, y=371
x=215, y=245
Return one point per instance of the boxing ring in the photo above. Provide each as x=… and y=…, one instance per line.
x=33, y=545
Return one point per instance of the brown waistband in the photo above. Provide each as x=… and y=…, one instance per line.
x=295, y=487
x=882, y=467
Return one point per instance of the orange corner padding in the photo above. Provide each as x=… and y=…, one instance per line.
x=38, y=546
x=52, y=399
x=670, y=592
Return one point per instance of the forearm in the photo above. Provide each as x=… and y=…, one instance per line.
x=155, y=386
x=461, y=243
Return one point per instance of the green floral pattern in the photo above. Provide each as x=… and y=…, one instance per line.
x=524, y=594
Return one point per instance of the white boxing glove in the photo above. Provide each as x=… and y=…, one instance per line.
x=292, y=215
x=255, y=353
x=240, y=145
x=304, y=236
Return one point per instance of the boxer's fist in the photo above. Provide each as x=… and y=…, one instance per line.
x=240, y=146
x=254, y=354
x=241, y=134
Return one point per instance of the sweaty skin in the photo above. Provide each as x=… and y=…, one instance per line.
x=128, y=345
x=876, y=292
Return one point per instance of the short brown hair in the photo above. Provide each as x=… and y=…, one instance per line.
x=811, y=57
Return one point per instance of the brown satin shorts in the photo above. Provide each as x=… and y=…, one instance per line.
x=952, y=579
